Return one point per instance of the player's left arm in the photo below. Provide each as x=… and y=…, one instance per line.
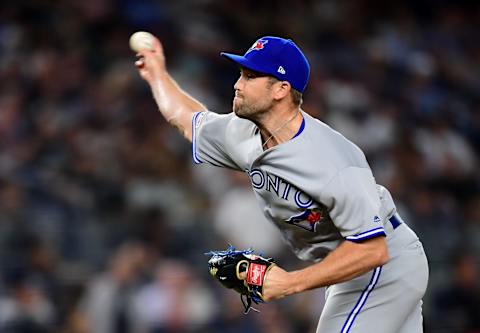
x=346, y=262
x=355, y=210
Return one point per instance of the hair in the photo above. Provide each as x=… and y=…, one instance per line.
x=297, y=96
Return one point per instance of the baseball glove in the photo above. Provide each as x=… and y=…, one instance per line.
x=227, y=266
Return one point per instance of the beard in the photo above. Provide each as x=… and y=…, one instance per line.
x=248, y=110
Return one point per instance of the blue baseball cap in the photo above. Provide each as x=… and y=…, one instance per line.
x=277, y=57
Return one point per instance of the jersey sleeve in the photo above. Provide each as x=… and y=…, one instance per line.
x=354, y=204
x=209, y=139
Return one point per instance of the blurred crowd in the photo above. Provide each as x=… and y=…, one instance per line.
x=104, y=221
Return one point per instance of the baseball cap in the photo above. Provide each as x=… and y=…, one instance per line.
x=278, y=57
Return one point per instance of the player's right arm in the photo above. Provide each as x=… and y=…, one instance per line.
x=174, y=104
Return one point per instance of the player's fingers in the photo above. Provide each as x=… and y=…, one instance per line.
x=147, y=52
x=156, y=53
x=242, y=275
x=157, y=45
x=140, y=53
x=151, y=60
x=147, y=56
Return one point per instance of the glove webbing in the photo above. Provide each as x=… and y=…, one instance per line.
x=229, y=252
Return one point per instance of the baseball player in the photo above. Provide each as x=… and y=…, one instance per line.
x=312, y=183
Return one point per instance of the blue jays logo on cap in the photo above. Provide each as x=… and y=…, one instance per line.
x=279, y=57
x=258, y=45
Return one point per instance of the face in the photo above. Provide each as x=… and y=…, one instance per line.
x=253, y=95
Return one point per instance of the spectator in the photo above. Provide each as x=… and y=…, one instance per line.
x=176, y=301
x=107, y=305
x=25, y=308
x=457, y=304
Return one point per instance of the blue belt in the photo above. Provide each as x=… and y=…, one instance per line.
x=395, y=221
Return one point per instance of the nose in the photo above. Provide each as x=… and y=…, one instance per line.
x=237, y=84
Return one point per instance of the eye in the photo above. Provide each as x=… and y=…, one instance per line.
x=247, y=75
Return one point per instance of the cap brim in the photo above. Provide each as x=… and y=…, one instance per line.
x=243, y=62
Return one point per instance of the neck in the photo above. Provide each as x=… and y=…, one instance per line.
x=279, y=126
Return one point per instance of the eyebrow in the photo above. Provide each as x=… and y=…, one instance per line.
x=257, y=74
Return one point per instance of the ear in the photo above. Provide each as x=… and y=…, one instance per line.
x=281, y=89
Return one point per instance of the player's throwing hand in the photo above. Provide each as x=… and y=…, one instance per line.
x=151, y=63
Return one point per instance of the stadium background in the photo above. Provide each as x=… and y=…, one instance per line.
x=103, y=219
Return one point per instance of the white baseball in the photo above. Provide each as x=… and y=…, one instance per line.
x=141, y=40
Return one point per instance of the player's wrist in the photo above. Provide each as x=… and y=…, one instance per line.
x=296, y=282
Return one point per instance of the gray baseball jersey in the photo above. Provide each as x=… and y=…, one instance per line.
x=315, y=195
x=318, y=189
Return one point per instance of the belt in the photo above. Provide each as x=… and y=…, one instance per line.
x=395, y=220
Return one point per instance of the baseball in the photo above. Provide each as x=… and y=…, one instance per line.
x=141, y=40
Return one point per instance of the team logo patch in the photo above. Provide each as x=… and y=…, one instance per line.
x=255, y=274
x=258, y=45
x=307, y=220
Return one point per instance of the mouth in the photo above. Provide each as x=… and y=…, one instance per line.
x=237, y=99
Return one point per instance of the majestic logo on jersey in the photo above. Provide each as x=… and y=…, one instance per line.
x=307, y=219
x=258, y=45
